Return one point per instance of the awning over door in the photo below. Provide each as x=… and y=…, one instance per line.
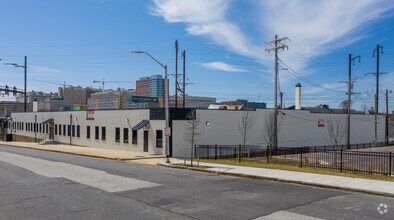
x=48, y=121
x=140, y=125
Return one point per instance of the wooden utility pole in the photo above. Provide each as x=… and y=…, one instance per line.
x=278, y=45
x=25, y=92
x=349, y=100
x=184, y=80
x=176, y=74
x=387, y=118
x=377, y=74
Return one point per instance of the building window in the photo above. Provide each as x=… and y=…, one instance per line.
x=68, y=130
x=103, y=133
x=55, y=129
x=73, y=131
x=88, y=132
x=117, y=134
x=46, y=128
x=125, y=135
x=159, y=138
x=64, y=130
x=78, y=131
x=60, y=129
x=135, y=137
x=96, y=134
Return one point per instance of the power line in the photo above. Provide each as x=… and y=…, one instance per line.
x=299, y=76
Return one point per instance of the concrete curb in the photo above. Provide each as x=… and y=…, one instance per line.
x=280, y=180
x=82, y=153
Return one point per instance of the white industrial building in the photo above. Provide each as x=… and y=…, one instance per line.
x=142, y=130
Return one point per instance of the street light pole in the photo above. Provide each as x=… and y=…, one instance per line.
x=166, y=149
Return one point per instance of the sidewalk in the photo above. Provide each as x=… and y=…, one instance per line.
x=86, y=151
x=378, y=187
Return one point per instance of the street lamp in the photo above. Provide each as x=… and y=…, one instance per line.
x=25, y=67
x=167, y=129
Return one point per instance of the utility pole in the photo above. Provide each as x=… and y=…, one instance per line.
x=184, y=79
x=25, y=83
x=377, y=74
x=278, y=46
x=387, y=118
x=176, y=74
x=349, y=93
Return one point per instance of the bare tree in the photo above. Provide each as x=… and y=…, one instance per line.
x=364, y=108
x=269, y=128
x=371, y=111
x=192, y=131
x=245, y=124
x=344, y=105
x=336, y=132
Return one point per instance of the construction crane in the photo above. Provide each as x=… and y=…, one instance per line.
x=62, y=84
x=105, y=81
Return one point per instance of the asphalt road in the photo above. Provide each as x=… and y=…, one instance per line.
x=46, y=185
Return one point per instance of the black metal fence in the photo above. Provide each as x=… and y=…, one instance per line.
x=327, y=157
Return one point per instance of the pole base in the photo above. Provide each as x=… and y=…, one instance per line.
x=168, y=159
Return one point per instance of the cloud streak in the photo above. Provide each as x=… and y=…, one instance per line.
x=222, y=66
x=316, y=27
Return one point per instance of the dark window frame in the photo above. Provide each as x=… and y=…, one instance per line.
x=117, y=135
x=97, y=133
x=135, y=137
x=88, y=132
x=78, y=131
x=159, y=138
x=103, y=133
x=125, y=135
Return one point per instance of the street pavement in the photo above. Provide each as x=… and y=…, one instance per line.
x=48, y=185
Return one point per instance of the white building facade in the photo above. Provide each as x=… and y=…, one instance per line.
x=142, y=130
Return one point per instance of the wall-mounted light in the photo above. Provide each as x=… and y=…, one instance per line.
x=127, y=120
x=207, y=123
x=76, y=119
x=42, y=118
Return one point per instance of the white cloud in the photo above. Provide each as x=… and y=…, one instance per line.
x=208, y=18
x=222, y=66
x=44, y=69
x=315, y=27
x=319, y=27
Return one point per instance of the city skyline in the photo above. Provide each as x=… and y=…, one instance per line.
x=78, y=42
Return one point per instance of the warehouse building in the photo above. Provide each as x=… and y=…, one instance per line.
x=142, y=130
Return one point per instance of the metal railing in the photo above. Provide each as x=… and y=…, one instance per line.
x=326, y=157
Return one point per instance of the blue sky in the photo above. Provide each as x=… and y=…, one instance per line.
x=81, y=41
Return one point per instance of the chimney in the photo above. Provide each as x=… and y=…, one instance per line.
x=35, y=105
x=298, y=97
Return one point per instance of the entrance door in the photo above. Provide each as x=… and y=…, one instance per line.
x=51, y=133
x=146, y=141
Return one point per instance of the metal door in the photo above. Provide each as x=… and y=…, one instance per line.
x=146, y=141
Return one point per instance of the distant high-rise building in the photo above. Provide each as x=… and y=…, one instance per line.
x=156, y=86
x=142, y=86
x=150, y=86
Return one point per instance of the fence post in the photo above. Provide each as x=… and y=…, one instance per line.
x=268, y=160
x=341, y=161
x=239, y=153
x=390, y=163
x=216, y=151
x=301, y=158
